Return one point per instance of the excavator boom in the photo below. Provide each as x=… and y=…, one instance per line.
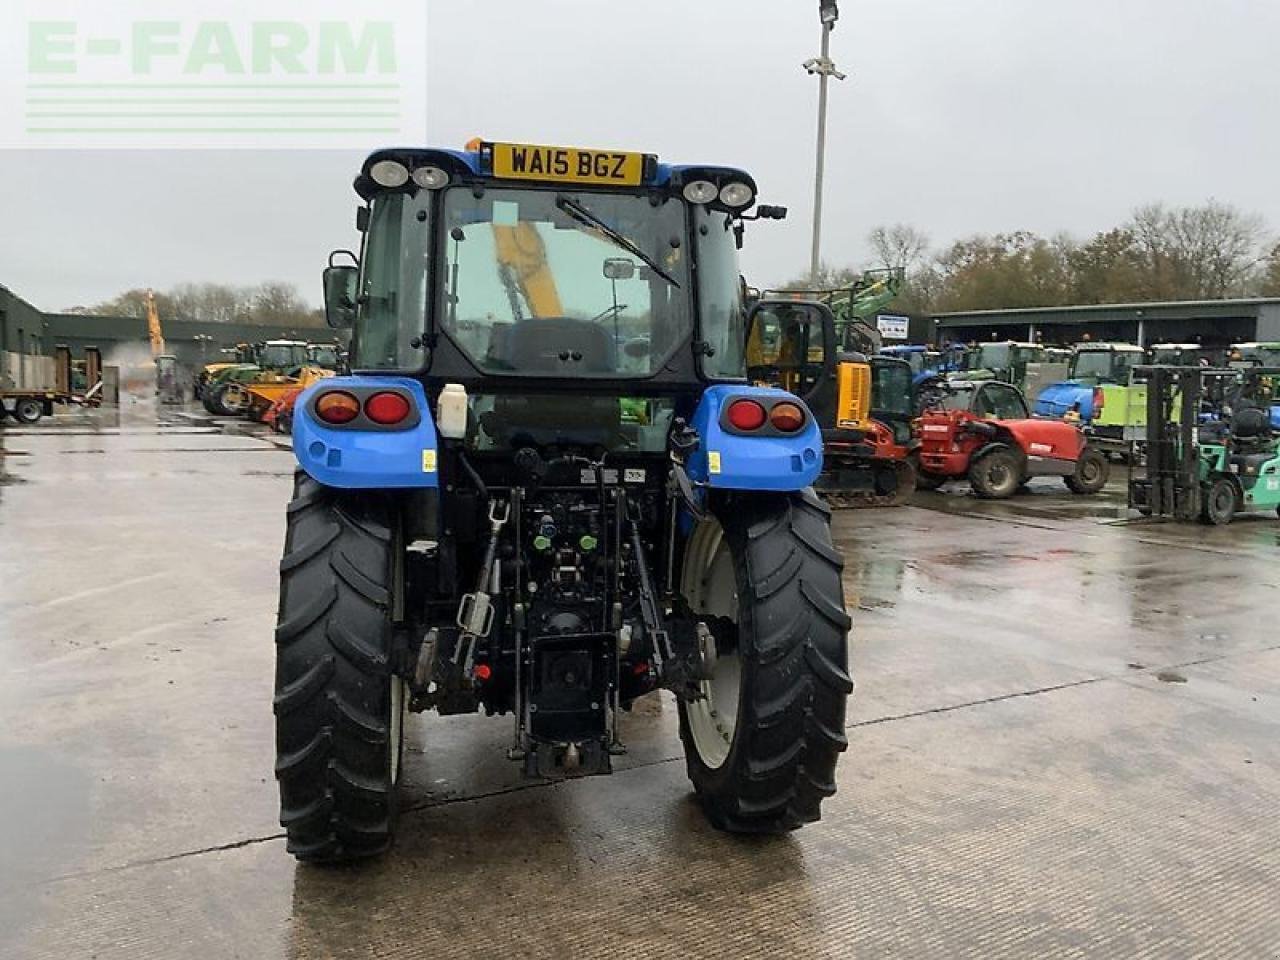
x=153, y=326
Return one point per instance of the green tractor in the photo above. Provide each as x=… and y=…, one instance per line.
x=224, y=394
x=1211, y=450
x=1005, y=360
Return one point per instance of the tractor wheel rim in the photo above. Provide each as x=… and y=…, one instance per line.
x=714, y=718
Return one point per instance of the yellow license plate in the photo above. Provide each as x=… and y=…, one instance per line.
x=518, y=161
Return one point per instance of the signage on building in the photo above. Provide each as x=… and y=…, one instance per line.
x=892, y=327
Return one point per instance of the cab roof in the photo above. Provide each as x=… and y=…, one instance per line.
x=475, y=165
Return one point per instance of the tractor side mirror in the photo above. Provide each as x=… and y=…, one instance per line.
x=619, y=268
x=339, y=283
x=340, y=296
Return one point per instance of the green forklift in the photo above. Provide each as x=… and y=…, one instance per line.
x=1211, y=451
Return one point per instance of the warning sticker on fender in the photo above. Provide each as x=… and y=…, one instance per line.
x=1042, y=448
x=713, y=461
x=428, y=461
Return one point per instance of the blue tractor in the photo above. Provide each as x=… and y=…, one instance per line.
x=925, y=362
x=548, y=489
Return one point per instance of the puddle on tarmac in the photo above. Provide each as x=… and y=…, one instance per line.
x=44, y=820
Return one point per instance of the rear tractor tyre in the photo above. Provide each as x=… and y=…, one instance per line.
x=1093, y=470
x=996, y=475
x=1220, y=502
x=339, y=708
x=761, y=746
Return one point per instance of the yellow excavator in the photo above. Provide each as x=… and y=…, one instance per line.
x=168, y=387
x=154, y=330
x=522, y=255
x=862, y=401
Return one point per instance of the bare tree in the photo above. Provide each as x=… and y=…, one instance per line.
x=900, y=247
x=1201, y=252
x=1268, y=284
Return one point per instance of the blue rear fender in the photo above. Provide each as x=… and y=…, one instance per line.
x=1057, y=399
x=730, y=461
x=367, y=459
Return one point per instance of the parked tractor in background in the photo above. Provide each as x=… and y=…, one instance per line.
x=1097, y=394
x=925, y=362
x=547, y=490
x=861, y=400
x=1186, y=355
x=241, y=355
x=1211, y=451
x=327, y=356
x=1258, y=355
x=1005, y=360
x=982, y=432
x=276, y=362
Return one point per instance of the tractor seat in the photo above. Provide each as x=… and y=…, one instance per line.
x=1248, y=464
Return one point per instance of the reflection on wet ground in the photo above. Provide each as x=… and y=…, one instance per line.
x=1063, y=742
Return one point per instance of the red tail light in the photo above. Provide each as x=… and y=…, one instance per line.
x=787, y=417
x=337, y=406
x=386, y=408
x=746, y=415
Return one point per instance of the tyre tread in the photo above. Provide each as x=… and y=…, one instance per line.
x=333, y=638
x=794, y=628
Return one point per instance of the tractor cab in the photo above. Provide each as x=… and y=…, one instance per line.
x=923, y=361
x=279, y=356
x=1254, y=355
x=327, y=356
x=984, y=399
x=1005, y=360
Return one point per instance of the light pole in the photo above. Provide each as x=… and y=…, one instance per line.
x=824, y=68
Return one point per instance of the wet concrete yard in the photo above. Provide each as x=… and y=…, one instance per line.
x=1065, y=741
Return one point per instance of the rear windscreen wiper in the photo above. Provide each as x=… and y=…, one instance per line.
x=585, y=216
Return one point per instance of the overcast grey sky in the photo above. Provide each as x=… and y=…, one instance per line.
x=959, y=116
